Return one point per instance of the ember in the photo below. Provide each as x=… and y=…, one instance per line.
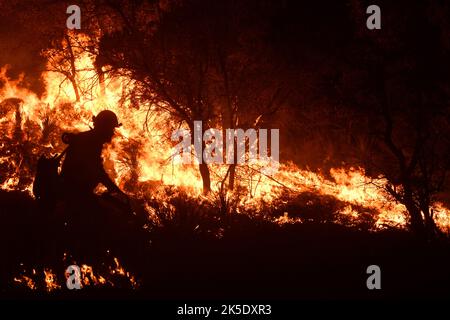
x=233, y=119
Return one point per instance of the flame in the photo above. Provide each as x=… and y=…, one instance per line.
x=27, y=281
x=351, y=186
x=88, y=278
x=284, y=219
x=141, y=159
x=50, y=280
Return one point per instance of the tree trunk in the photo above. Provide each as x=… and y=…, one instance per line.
x=231, y=177
x=416, y=224
x=204, y=172
x=203, y=167
x=228, y=117
x=73, y=71
x=431, y=228
x=101, y=82
x=75, y=88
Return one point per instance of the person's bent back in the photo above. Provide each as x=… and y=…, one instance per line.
x=82, y=169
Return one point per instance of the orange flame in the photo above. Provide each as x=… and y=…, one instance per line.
x=141, y=160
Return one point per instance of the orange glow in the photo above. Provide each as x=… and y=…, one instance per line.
x=89, y=278
x=50, y=280
x=27, y=281
x=142, y=150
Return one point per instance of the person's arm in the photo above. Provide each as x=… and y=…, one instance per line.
x=113, y=188
x=108, y=183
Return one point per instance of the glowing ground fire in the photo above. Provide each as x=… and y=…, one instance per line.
x=142, y=159
x=215, y=150
x=88, y=278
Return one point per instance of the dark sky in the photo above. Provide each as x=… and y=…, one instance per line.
x=298, y=27
x=324, y=43
x=306, y=34
x=21, y=52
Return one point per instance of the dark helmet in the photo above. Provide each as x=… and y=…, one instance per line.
x=106, y=119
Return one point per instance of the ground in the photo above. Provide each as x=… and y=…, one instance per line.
x=249, y=258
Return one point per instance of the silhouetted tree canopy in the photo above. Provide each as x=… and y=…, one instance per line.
x=341, y=94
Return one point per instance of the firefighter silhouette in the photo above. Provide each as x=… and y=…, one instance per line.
x=85, y=224
x=90, y=221
x=82, y=169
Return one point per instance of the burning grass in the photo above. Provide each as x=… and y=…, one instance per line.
x=167, y=198
x=188, y=248
x=141, y=158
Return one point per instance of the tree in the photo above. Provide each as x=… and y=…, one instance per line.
x=399, y=84
x=197, y=60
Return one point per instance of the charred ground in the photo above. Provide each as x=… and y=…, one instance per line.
x=342, y=95
x=199, y=254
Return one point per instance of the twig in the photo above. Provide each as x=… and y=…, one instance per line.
x=274, y=180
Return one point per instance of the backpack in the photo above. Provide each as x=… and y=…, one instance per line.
x=46, y=183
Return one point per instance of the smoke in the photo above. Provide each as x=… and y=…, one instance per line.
x=20, y=50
